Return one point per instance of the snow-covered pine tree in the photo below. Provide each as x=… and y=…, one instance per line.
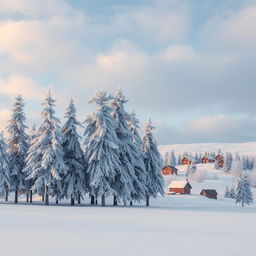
x=172, y=159
x=166, y=158
x=228, y=162
x=243, y=191
x=17, y=147
x=140, y=170
x=74, y=182
x=226, y=193
x=27, y=171
x=153, y=164
x=45, y=157
x=101, y=148
x=5, y=172
x=232, y=192
x=179, y=159
x=126, y=183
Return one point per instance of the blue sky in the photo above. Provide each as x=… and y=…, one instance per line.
x=187, y=64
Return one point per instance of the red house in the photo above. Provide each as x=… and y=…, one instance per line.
x=169, y=170
x=179, y=187
x=220, y=160
x=186, y=160
x=209, y=193
x=208, y=159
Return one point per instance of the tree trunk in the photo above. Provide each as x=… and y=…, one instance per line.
x=46, y=196
x=103, y=200
x=147, y=200
x=16, y=196
x=130, y=203
x=242, y=203
x=92, y=200
x=6, y=195
x=27, y=194
x=57, y=201
x=79, y=199
x=115, y=200
x=42, y=197
x=72, y=201
x=31, y=196
x=96, y=201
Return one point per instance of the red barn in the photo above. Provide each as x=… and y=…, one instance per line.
x=186, y=160
x=169, y=170
x=179, y=186
x=208, y=159
x=209, y=193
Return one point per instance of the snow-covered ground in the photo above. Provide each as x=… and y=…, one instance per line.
x=248, y=148
x=174, y=225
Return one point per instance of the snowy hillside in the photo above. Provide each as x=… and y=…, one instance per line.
x=248, y=148
x=180, y=224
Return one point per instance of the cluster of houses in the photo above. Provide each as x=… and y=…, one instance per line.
x=219, y=160
x=184, y=187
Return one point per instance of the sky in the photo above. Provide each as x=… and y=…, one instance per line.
x=189, y=65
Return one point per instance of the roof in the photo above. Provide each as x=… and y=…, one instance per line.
x=191, y=158
x=209, y=192
x=179, y=184
x=171, y=166
x=209, y=157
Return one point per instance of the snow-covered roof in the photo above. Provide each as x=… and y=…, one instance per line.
x=191, y=158
x=209, y=157
x=171, y=166
x=178, y=184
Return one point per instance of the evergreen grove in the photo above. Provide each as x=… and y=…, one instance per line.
x=109, y=160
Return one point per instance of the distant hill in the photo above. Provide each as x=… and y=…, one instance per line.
x=248, y=148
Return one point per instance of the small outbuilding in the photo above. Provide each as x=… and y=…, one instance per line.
x=208, y=159
x=186, y=160
x=209, y=193
x=179, y=187
x=169, y=170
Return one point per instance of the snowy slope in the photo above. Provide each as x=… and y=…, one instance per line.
x=177, y=225
x=248, y=148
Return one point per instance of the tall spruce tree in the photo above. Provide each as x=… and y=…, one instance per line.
x=45, y=157
x=5, y=171
x=153, y=164
x=27, y=171
x=17, y=147
x=101, y=148
x=140, y=170
x=243, y=193
x=127, y=183
x=74, y=182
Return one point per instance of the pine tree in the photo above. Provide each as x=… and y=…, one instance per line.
x=127, y=183
x=166, y=158
x=172, y=159
x=101, y=148
x=74, y=182
x=45, y=157
x=140, y=170
x=27, y=171
x=5, y=172
x=227, y=193
x=17, y=147
x=153, y=164
x=243, y=192
x=179, y=159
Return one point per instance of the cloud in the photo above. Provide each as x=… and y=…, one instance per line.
x=215, y=128
x=16, y=85
x=235, y=31
x=5, y=115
